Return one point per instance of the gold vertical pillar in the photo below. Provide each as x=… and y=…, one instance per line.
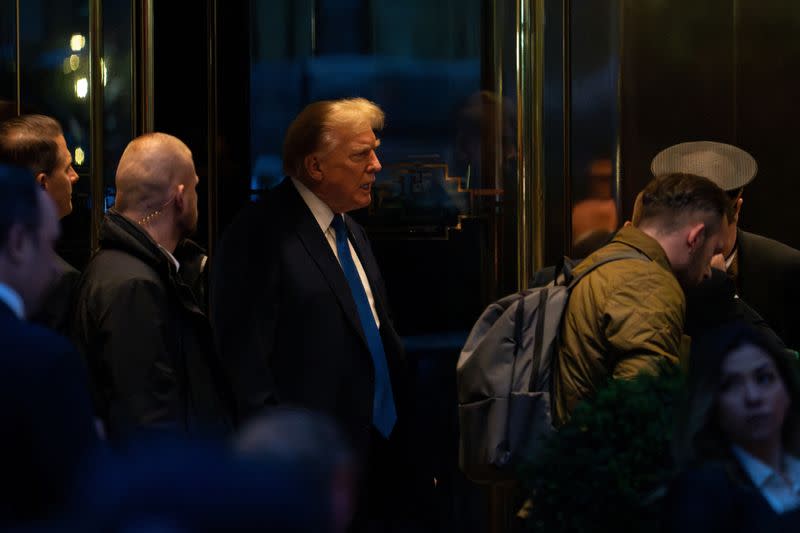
x=530, y=142
x=142, y=66
x=524, y=59
x=96, y=121
x=537, y=141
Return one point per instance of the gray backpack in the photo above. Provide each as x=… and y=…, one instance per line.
x=504, y=377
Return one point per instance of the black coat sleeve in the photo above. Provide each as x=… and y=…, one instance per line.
x=135, y=337
x=245, y=310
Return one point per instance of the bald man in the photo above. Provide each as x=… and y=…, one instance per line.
x=143, y=331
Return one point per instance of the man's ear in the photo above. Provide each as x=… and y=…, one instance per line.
x=41, y=179
x=180, y=201
x=313, y=167
x=737, y=208
x=696, y=236
x=19, y=238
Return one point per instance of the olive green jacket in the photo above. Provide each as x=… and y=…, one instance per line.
x=624, y=318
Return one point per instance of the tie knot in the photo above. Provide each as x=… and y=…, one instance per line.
x=339, y=226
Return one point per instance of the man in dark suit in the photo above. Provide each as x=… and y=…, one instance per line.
x=765, y=272
x=45, y=412
x=299, y=306
x=37, y=143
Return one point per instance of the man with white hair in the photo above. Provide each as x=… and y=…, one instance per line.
x=299, y=307
x=146, y=338
x=766, y=273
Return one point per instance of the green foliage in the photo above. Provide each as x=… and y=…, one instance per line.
x=603, y=470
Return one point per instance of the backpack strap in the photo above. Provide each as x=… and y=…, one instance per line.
x=633, y=254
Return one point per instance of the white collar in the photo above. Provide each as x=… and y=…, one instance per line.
x=760, y=473
x=729, y=261
x=13, y=300
x=171, y=258
x=322, y=213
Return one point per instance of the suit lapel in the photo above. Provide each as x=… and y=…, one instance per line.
x=369, y=264
x=320, y=251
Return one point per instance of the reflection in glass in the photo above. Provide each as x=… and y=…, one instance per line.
x=8, y=72
x=594, y=113
x=449, y=146
x=54, y=35
x=117, y=80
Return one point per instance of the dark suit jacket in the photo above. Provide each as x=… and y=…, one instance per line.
x=55, y=311
x=285, y=322
x=719, y=498
x=768, y=279
x=46, y=419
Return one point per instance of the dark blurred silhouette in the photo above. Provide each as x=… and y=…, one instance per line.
x=310, y=442
x=45, y=411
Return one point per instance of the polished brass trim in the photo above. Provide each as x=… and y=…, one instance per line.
x=617, y=184
x=18, y=41
x=566, y=114
x=735, y=51
x=212, y=124
x=524, y=122
x=96, y=121
x=142, y=66
x=537, y=140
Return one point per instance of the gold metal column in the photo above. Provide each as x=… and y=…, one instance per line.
x=142, y=66
x=96, y=118
x=524, y=139
x=530, y=142
x=538, y=185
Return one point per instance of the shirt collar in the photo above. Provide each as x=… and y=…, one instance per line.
x=171, y=258
x=13, y=300
x=322, y=213
x=760, y=473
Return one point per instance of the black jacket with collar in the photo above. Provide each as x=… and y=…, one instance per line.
x=146, y=338
x=768, y=278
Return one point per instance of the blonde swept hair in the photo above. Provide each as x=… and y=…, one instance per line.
x=314, y=129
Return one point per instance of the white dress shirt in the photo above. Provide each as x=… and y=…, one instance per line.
x=171, y=258
x=13, y=300
x=782, y=491
x=324, y=216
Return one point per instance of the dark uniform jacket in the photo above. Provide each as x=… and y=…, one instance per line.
x=146, y=338
x=48, y=429
x=767, y=275
x=719, y=497
x=714, y=302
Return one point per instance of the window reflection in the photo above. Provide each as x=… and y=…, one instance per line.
x=439, y=219
x=8, y=74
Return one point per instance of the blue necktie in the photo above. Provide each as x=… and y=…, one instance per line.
x=383, y=411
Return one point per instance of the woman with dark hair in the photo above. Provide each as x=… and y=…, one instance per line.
x=738, y=438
